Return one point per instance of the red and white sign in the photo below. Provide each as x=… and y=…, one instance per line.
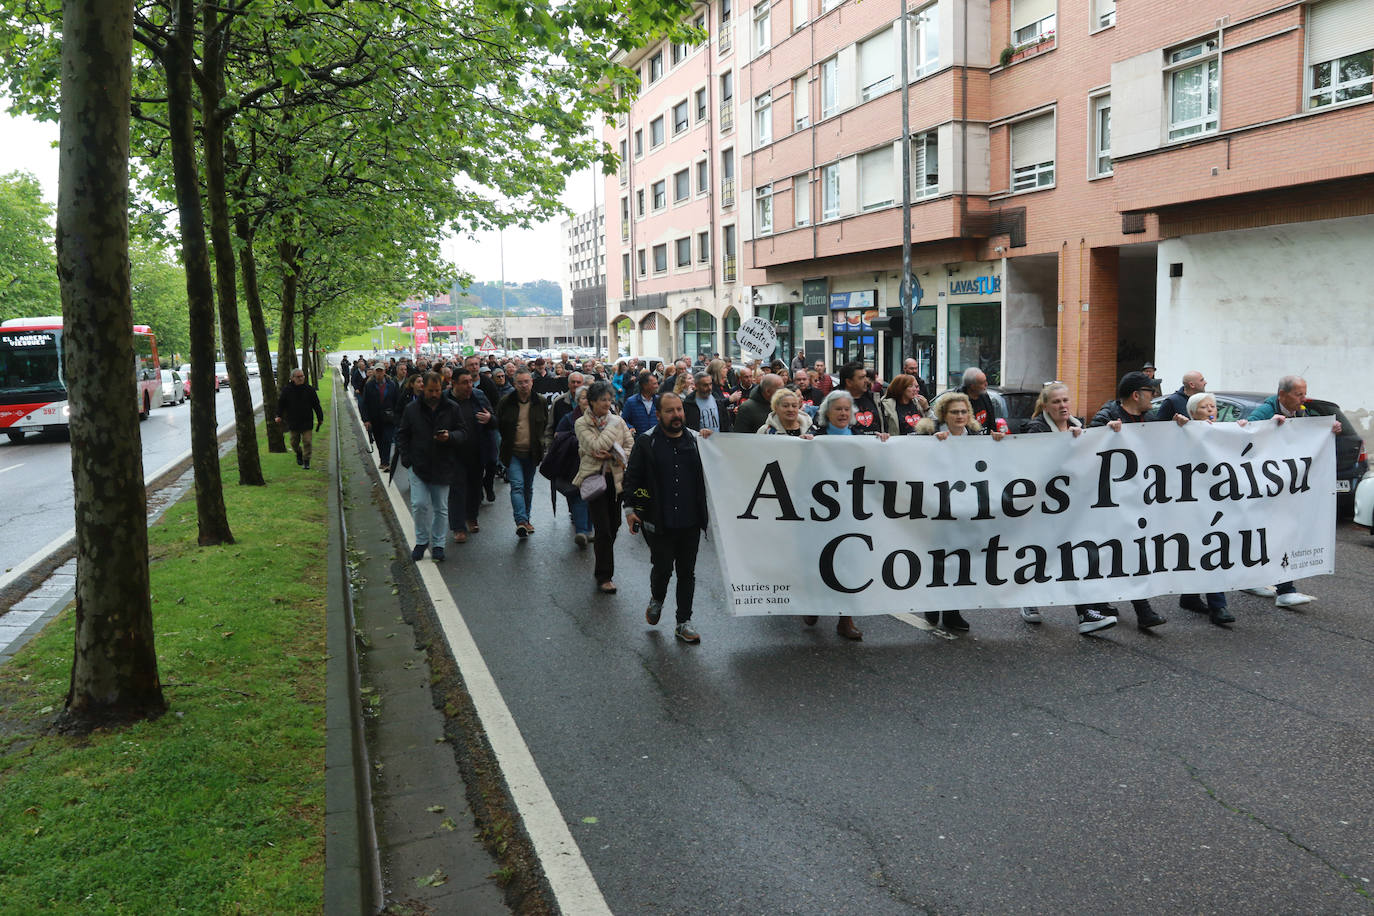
x=488, y=345
x=421, y=324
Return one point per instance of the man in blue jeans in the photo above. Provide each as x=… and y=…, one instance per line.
x=520, y=417
x=427, y=442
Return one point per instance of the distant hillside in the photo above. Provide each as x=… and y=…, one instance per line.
x=533, y=298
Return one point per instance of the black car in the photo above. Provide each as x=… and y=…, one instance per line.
x=1351, y=461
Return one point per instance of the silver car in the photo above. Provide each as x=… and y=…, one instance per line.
x=173, y=392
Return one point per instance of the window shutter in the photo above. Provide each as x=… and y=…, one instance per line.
x=1032, y=141
x=1024, y=12
x=877, y=183
x=876, y=59
x=1339, y=28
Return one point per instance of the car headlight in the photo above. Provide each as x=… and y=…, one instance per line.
x=66, y=410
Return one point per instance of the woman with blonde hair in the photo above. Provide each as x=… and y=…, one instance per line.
x=787, y=417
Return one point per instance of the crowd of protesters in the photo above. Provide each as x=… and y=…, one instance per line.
x=622, y=437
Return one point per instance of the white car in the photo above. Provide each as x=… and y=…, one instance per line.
x=173, y=392
x=1364, y=503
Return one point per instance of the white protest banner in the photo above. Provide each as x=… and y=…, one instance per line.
x=852, y=525
x=757, y=337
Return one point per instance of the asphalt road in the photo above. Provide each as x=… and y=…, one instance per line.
x=780, y=769
x=36, y=475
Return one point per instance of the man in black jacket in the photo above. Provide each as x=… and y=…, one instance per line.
x=707, y=410
x=427, y=443
x=665, y=494
x=465, y=492
x=381, y=403
x=295, y=405
x=868, y=418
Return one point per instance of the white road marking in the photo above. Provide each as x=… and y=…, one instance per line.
x=12, y=467
x=919, y=622
x=570, y=877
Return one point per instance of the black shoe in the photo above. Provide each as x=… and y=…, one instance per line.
x=438, y=554
x=955, y=622
x=1192, y=603
x=307, y=465
x=933, y=618
x=300, y=459
x=1148, y=617
x=491, y=493
x=418, y=553
x=521, y=532
x=653, y=612
x=1220, y=616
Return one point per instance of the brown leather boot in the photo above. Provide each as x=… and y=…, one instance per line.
x=845, y=627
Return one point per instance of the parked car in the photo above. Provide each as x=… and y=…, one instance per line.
x=185, y=372
x=1364, y=503
x=174, y=392
x=252, y=369
x=221, y=374
x=1351, y=461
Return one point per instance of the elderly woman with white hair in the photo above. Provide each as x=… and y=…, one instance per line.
x=1203, y=406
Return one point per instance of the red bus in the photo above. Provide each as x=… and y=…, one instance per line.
x=33, y=388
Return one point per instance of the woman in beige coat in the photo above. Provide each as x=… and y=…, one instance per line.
x=599, y=432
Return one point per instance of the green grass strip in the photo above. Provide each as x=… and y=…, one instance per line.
x=218, y=806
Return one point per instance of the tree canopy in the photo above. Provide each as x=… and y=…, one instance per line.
x=28, y=264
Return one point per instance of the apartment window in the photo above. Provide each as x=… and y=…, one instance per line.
x=763, y=27
x=703, y=176
x=680, y=122
x=801, y=102
x=923, y=41
x=624, y=219
x=801, y=200
x=801, y=12
x=1102, y=135
x=727, y=177
x=828, y=5
x=620, y=171
x=700, y=23
x=660, y=259
x=625, y=268
x=642, y=269
x=704, y=247
x=763, y=209
x=727, y=87
x=682, y=186
x=763, y=119
x=639, y=202
x=701, y=105
x=1031, y=20
x=682, y=252
x=660, y=189
x=1340, y=52
x=726, y=11
x=656, y=67
x=877, y=181
x=680, y=53
x=830, y=87
x=925, y=165
x=1194, y=89
x=639, y=143
x=830, y=191
x=727, y=237
x=1032, y=153
x=875, y=65
x=656, y=132
x=1104, y=13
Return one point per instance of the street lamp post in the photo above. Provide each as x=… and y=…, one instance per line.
x=908, y=315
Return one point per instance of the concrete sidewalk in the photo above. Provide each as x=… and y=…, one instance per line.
x=429, y=841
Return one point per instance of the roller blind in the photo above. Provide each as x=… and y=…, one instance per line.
x=1024, y=12
x=877, y=184
x=1032, y=141
x=1339, y=28
x=876, y=59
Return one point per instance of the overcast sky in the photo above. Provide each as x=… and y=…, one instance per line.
x=530, y=254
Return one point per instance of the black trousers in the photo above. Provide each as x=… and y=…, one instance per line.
x=604, y=512
x=669, y=548
x=465, y=492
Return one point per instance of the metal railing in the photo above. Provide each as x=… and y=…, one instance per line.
x=724, y=42
x=727, y=115
x=730, y=270
x=727, y=192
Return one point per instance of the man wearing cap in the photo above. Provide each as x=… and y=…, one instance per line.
x=1149, y=370
x=1134, y=393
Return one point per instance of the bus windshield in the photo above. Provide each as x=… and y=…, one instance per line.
x=30, y=361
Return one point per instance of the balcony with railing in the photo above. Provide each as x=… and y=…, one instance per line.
x=725, y=40
x=727, y=192
x=625, y=287
x=625, y=231
x=731, y=270
x=727, y=115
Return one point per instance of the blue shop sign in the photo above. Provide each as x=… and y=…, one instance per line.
x=978, y=286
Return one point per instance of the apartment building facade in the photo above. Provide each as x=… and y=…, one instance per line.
x=584, y=272
x=1091, y=187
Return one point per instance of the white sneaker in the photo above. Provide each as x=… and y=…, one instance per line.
x=1264, y=591
x=1292, y=599
x=1031, y=615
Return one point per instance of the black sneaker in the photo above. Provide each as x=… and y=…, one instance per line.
x=438, y=554
x=1192, y=603
x=1092, y=620
x=418, y=553
x=491, y=493
x=1147, y=617
x=300, y=459
x=955, y=622
x=653, y=612
x=1220, y=616
x=521, y=532
x=307, y=465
